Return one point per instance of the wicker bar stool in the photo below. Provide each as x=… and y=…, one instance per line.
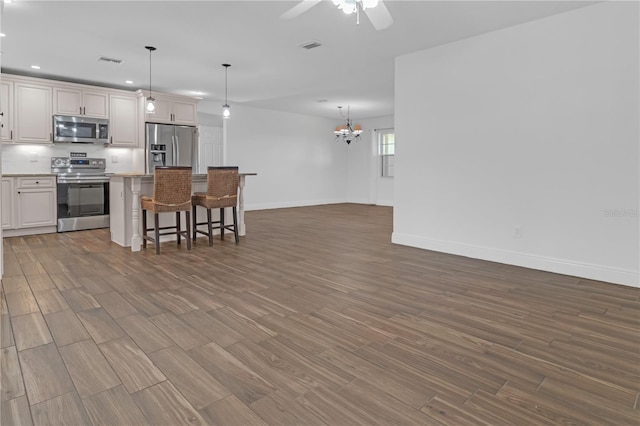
x=222, y=192
x=171, y=193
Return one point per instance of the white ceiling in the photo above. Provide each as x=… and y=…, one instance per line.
x=354, y=65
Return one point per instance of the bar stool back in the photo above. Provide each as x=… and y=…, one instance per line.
x=222, y=192
x=171, y=194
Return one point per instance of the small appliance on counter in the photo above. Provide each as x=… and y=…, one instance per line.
x=83, y=193
x=171, y=145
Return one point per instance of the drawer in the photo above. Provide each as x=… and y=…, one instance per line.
x=36, y=182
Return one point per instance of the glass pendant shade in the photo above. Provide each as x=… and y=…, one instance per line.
x=151, y=106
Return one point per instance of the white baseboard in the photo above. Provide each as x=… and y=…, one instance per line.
x=288, y=204
x=560, y=266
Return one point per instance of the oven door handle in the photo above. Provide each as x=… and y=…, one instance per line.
x=80, y=181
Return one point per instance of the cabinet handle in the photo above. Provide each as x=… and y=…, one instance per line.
x=37, y=182
x=11, y=134
x=111, y=139
x=84, y=110
x=2, y=114
x=80, y=110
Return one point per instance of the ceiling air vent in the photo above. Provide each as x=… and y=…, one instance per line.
x=310, y=44
x=110, y=60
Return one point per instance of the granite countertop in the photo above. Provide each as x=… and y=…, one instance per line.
x=150, y=175
x=28, y=174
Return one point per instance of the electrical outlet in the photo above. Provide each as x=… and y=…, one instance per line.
x=114, y=158
x=517, y=231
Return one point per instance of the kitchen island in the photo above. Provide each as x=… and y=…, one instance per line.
x=125, y=190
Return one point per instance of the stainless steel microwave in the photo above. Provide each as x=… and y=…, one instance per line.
x=80, y=129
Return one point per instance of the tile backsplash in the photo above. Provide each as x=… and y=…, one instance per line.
x=35, y=158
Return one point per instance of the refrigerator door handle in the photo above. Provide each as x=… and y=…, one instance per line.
x=176, y=151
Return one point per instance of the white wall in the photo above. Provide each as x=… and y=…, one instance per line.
x=365, y=185
x=297, y=161
x=534, y=126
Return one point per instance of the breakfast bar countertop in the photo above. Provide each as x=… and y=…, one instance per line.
x=150, y=175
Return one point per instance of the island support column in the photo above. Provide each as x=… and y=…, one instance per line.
x=136, y=238
x=242, y=230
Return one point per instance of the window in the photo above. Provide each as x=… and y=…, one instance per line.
x=386, y=151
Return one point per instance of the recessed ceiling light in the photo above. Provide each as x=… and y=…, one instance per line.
x=129, y=82
x=3, y=35
x=198, y=93
x=35, y=67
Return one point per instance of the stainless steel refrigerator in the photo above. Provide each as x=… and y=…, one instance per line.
x=170, y=145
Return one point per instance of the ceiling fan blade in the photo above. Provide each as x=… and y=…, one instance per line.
x=299, y=9
x=379, y=16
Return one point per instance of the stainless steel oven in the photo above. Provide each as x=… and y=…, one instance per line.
x=83, y=193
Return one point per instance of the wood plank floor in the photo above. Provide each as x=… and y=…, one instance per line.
x=314, y=318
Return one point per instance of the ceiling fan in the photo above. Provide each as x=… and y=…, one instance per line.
x=376, y=10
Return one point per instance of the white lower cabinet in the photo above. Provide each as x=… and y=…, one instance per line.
x=8, y=203
x=28, y=205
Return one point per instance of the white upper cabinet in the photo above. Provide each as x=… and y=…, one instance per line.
x=6, y=110
x=185, y=112
x=123, y=110
x=172, y=110
x=71, y=101
x=33, y=118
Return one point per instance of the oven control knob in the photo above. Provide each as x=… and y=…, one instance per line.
x=94, y=162
x=59, y=162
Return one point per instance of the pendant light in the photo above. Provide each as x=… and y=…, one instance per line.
x=226, y=113
x=151, y=107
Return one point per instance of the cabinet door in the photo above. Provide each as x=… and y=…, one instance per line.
x=36, y=207
x=184, y=112
x=67, y=101
x=124, y=120
x=162, y=113
x=8, y=203
x=95, y=104
x=33, y=113
x=6, y=108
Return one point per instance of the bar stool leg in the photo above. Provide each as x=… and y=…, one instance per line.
x=157, y=232
x=235, y=224
x=195, y=223
x=144, y=228
x=209, y=227
x=178, y=234
x=188, y=232
x=222, y=224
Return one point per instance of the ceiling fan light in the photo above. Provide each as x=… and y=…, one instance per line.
x=226, y=111
x=349, y=8
x=369, y=4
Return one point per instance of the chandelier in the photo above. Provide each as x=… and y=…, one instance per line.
x=350, y=6
x=347, y=132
